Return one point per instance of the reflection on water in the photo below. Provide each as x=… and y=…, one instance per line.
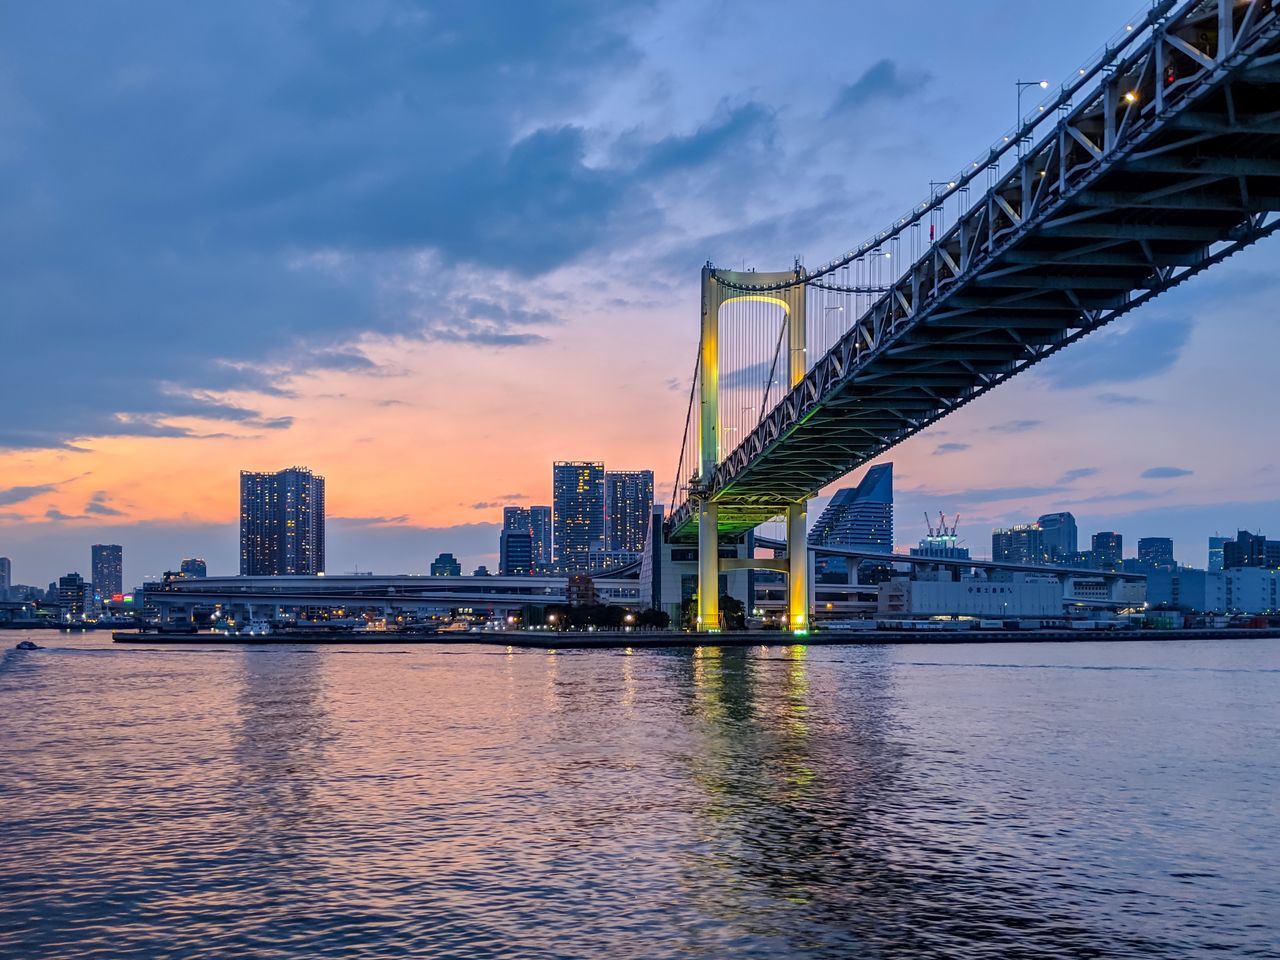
x=771, y=802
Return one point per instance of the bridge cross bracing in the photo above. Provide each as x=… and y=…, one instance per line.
x=1157, y=160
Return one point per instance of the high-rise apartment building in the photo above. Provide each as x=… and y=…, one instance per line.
x=6, y=577
x=1021, y=543
x=540, y=526
x=860, y=516
x=628, y=504
x=281, y=523
x=1108, y=550
x=107, y=562
x=1156, y=553
x=1059, y=536
x=577, y=512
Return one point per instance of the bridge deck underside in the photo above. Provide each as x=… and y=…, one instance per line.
x=1184, y=196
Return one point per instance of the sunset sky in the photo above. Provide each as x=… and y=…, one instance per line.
x=427, y=249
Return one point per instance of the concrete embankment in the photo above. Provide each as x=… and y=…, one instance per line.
x=599, y=641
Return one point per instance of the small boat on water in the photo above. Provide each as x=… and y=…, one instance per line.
x=27, y=645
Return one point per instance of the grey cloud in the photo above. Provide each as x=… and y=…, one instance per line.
x=1122, y=400
x=945, y=448
x=10, y=496
x=1164, y=473
x=1079, y=473
x=98, y=506
x=1016, y=426
x=883, y=80
x=1148, y=346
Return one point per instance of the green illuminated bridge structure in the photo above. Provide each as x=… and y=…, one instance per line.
x=1157, y=159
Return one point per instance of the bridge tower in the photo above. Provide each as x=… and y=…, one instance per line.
x=719, y=289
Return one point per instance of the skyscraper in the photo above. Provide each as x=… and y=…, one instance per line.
x=1108, y=550
x=577, y=488
x=281, y=523
x=1021, y=543
x=540, y=524
x=6, y=577
x=1059, y=536
x=1156, y=552
x=107, y=562
x=628, y=504
x=860, y=516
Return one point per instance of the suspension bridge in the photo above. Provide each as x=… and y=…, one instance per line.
x=1156, y=160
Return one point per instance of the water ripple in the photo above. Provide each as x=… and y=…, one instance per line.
x=773, y=802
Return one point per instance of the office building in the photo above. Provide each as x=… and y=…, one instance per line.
x=107, y=563
x=1021, y=543
x=193, y=567
x=1215, y=553
x=628, y=502
x=1156, y=553
x=6, y=577
x=577, y=512
x=1059, y=537
x=859, y=517
x=282, y=517
x=1251, y=550
x=446, y=565
x=1108, y=550
x=540, y=526
x=73, y=596
x=515, y=553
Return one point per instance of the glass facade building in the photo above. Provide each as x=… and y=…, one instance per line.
x=1059, y=537
x=860, y=516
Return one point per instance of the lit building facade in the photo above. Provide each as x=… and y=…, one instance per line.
x=107, y=562
x=193, y=567
x=1156, y=553
x=282, y=523
x=628, y=504
x=1108, y=550
x=446, y=565
x=540, y=526
x=1021, y=543
x=577, y=512
x=6, y=577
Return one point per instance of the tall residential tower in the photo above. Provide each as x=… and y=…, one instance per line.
x=281, y=523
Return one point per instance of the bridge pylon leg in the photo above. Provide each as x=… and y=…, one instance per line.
x=798, y=567
x=708, y=569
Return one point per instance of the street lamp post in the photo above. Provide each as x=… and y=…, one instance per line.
x=1022, y=86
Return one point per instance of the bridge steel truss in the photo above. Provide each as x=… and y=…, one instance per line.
x=1168, y=166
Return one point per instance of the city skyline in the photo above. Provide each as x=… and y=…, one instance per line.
x=316, y=368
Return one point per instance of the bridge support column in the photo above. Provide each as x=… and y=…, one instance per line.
x=708, y=569
x=798, y=567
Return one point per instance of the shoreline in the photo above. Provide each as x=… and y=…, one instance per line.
x=615, y=641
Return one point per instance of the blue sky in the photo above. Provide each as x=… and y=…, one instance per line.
x=428, y=248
